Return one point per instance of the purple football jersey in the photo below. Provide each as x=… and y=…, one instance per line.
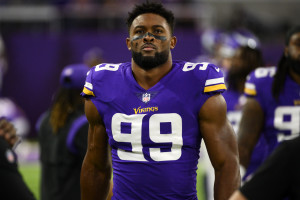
x=154, y=133
x=282, y=117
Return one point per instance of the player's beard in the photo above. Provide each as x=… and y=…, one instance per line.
x=150, y=62
x=234, y=77
x=294, y=64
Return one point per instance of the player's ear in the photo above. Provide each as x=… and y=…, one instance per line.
x=173, y=42
x=128, y=43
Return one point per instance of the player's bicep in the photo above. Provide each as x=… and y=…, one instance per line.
x=217, y=131
x=98, y=148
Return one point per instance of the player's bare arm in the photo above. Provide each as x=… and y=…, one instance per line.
x=249, y=130
x=237, y=195
x=221, y=145
x=96, y=168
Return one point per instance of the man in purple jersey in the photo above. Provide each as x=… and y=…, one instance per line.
x=272, y=108
x=149, y=116
x=245, y=60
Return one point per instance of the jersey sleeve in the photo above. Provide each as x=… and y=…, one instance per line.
x=259, y=84
x=209, y=77
x=215, y=80
x=101, y=81
x=88, y=89
x=205, y=79
x=77, y=136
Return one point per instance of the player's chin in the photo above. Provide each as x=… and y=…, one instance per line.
x=149, y=56
x=148, y=53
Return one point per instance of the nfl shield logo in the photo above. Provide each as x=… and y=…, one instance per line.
x=146, y=97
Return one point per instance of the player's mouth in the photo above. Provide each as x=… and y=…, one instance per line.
x=148, y=47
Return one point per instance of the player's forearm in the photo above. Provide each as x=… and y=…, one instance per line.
x=227, y=180
x=244, y=155
x=94, y=183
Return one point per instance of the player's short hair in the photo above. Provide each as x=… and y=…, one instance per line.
x=151, y=7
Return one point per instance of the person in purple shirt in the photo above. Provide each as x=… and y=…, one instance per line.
x=148, y=117
x=272, y=109
x=245, y=60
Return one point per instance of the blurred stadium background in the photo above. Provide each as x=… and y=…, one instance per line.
x=43, y=36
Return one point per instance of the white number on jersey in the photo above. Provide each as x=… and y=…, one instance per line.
x=235, y=118
x=292, y=122
x=190, y=66
x=107, y=66
x=264, y=72
x=135, y=136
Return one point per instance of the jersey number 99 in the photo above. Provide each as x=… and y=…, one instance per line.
x=135, y=136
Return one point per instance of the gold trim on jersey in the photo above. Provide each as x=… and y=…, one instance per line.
x=88, y=92
x=215, y=87
x=249, y=91
x=297, y=102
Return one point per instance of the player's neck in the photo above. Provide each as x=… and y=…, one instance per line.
x=148, y=78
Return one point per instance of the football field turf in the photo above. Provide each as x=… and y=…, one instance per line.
x=31, y=175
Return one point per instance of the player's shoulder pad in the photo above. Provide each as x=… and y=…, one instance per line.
x=259, y=78
x=207, y=73
x=99, y=75
x=262, y=73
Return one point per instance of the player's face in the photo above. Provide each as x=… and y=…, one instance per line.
x=292, y=52
x=293, y=48
x=150, y=40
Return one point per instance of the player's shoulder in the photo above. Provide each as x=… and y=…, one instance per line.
x=103, y=77
x=190, y=66
x=105, y=69
x=259, y=79
x=201, y=69
x=262, y=73
x=203, y=74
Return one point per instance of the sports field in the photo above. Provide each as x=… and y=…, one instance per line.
x=31, y=170
x=31, y=175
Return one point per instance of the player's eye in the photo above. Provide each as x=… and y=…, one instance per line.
x=158, y=31
x=139, y=31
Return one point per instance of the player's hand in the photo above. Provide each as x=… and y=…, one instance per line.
x=8, y=132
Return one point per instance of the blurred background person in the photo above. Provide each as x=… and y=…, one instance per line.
x=93, y=57
x=219, y=46
x=243, y=59
x=8, y=108
x=63, y=138
x=272, y=107
x=12, y=185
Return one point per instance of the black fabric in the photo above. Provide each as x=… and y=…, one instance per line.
x=61, y=168
x=12, y=185
x=279, y=176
